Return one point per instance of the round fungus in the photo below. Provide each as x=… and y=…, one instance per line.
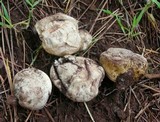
x=59, y=34
x=118, y=61
x=32, y=88
x=78, y=78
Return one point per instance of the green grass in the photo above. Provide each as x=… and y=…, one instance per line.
x=130, y=31
x=4, y=14
x=118, y=19
x=156, y=2
x=31, y=5
x=35, y=55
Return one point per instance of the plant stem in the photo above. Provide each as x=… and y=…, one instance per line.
x=85, y=104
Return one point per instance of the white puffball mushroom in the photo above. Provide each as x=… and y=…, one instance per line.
x=86, y=39
x=59, y=34
x=32, y=88
x=78, y=78
x=117, y=61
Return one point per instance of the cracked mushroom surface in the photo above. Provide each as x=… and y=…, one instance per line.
x=119, y=61
x=32, y=88
x=59, y=34
x=78, y=78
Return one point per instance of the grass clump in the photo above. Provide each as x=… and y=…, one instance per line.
x=130, y=30
x=5, y=16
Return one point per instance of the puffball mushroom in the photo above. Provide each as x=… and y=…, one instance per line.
x=118, y=61
x=60, y=35
x=78, y=78
x=32, y=88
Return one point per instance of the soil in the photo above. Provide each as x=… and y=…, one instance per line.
x=135, y=103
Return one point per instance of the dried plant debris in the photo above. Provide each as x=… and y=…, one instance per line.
x=78, y=78
x=60, y=35
x=32, y=88
x=119, y=61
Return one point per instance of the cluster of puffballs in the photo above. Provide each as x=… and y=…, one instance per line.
x=77, y=77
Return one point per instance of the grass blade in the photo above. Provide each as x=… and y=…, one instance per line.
x=118, y=19
x=4, y=25
x=36, y=3
x=134, y=23
x=107, y=11
x=5, y=12
x=120, y=24
x=138, y=18
x=152, y=20
x=157, y=3
x=29, y=3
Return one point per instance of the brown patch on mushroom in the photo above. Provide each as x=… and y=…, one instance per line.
x=117, y=61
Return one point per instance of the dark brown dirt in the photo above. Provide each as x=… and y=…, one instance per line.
x=113, y=104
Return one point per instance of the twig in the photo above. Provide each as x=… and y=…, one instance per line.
x=4, y=106
x=142, y=110
x=49, y=115
x=95, y=40
x=91, y=29
x=152, y=76
x=8, y=71
x=148, y=87
x=67, y=6
x=134, y=94
x=85, y=104
x=156, y=94
x=4, y=91
x=29, y=116
x=93, y=2
x=7, y=68
x=104, y=26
